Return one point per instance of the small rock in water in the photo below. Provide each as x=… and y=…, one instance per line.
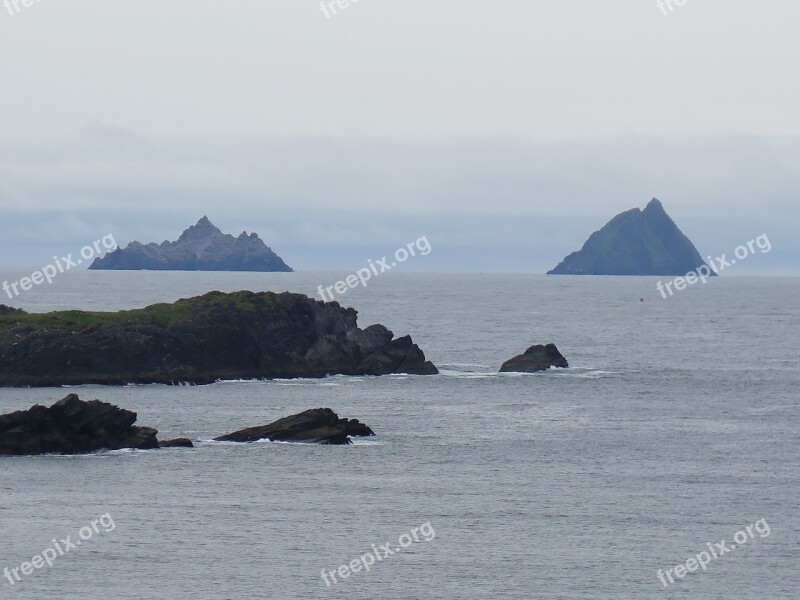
x=536, y=358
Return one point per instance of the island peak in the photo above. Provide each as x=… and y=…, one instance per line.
x=635, y=242
x=201, y=247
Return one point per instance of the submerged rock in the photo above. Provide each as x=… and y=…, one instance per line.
x=72, y=426
x=176, y=443
x=242, y=335
x=535, y=358
x=314, y=426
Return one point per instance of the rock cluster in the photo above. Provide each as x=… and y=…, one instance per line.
x=72, y=426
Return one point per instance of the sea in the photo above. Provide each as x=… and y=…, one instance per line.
x=674, y=434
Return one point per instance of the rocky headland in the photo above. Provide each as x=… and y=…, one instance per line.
x=241, y=335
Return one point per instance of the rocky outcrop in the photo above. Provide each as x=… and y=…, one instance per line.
x=315, y=426
x=536, y=358
x=176, y=443
x=398, y=356
x=243, y=335
x=72, y=426
x=202, y=247
x=636, y=242
x=8, y=310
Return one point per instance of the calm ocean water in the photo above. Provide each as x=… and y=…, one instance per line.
x=677, y=425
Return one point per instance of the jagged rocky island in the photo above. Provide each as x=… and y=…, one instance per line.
x=635, y=242
x=241, y=335
x=202, y=247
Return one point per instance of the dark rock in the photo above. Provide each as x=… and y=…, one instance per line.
x=202, y=247
x=317, y=426
x=176, y=443
x=535, y=358
x=8, y=310
x=356, y=429
x=72, y=426
x=398, y=356
x=243, y=335
x=636, y=242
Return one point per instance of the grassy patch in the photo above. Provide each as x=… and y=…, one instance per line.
x=161, y=314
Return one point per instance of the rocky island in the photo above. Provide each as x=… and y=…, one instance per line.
x=315, y=426
x=72, y=426
x=635, y=242
x=202, y=247
x=241, y=335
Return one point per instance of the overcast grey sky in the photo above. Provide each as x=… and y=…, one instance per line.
x=507, y=131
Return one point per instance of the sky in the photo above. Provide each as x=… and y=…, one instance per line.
x=505, y=132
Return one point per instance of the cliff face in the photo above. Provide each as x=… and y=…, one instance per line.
x=636, y=242
x=200, y=340
x=202, y=247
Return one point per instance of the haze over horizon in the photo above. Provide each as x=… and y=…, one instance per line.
x=506, y=134
x=474, y=319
